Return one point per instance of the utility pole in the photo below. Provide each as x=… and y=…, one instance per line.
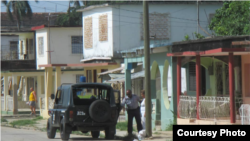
x=48, y=38
x=197, y=16
x=147, y=69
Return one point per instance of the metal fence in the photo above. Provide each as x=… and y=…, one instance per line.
x=187, y=107
x=210, y=107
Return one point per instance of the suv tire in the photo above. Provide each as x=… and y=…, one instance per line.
x=63, y=133
x=99, y=111
x=51, y=131
x=95, y=134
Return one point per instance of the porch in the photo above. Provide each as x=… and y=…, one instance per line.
x=220, y=101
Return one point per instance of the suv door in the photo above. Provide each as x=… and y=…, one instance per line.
x=57, y=107
x=117, y=96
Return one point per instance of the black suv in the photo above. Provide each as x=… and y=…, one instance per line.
x=84, y=107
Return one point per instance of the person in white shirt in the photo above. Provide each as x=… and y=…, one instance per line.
x=143, y=110
x=133, y=110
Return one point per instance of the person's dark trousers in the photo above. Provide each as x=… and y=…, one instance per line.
x=131, y=114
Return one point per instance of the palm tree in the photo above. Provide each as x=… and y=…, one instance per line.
x=18, y=9
x=76, y=3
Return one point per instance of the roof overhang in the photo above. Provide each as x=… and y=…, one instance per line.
x=92, y=7
x=96, y=58
x=111, y=71
x=213, y=52
x=136, y=75
x=78, y=65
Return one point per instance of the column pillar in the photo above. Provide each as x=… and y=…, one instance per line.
x=58, y=77
x=14, y=88
x=178, y=84
x=6, y=91
x=231, y=88
x=198, y=82
x=48, y=87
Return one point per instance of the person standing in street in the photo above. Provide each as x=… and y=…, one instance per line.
x=33, y=100
x=133, y=110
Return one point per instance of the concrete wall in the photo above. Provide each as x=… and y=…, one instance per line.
x=182, y=21
x=60, y=44
x=99, y=48
x=41, y=59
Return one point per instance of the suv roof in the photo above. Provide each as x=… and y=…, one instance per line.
x=85, y=84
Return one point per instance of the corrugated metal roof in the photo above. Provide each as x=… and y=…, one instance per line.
x=122, y=79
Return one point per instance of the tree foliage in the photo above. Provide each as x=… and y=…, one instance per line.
x=18, y=10
x=232, y=19
x=71, y=18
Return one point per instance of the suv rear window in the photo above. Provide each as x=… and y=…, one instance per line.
x=86, y=95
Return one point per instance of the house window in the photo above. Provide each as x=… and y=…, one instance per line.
x=192, y=76
x=78, y=78
x=159, y=26
x=13, y=50
x=103, y=27
x=88, y=39
x=76, y=43
x=31, y=47
x=40, y=46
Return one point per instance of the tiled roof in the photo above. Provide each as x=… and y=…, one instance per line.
x=36, y=20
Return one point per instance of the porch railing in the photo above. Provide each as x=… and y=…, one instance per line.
x=187, y=107
x=210, y=107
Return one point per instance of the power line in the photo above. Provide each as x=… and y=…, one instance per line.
x=141, y=12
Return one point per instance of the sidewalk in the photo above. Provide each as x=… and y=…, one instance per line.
x=41, y=126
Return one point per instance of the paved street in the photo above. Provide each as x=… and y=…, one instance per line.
x=13, y=134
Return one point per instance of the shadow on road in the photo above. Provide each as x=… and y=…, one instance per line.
x=117, y=138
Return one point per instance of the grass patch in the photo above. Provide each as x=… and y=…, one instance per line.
x=123, y=126
x=156, y=133
x=101, y=135
x=25, y=122
x=38, y=118
x=4, y=120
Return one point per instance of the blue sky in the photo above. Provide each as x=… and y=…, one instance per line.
x=46, y=5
